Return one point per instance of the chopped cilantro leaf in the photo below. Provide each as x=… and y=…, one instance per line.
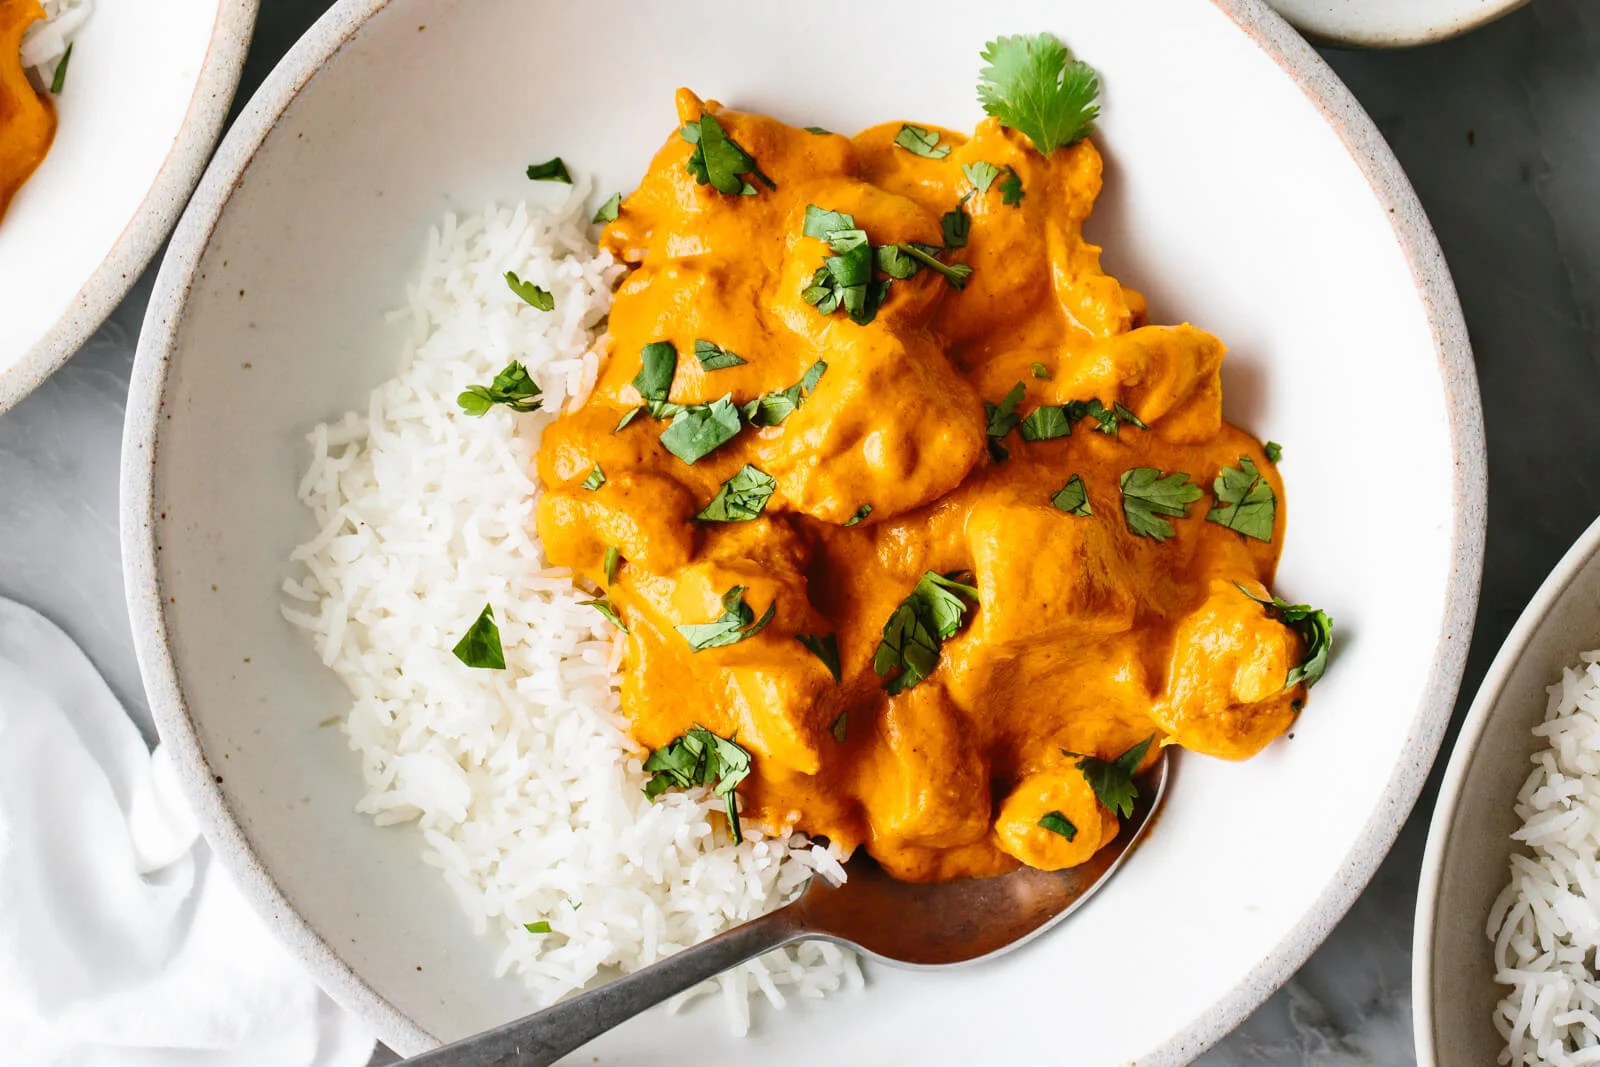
x=980, y=174
x=862, y=512
x=604, y=606
x=540, y=927
x=818, y=130
x=909, y=648
x=609, y=210
x=1046, y=423
x=480, y=645
x=658, y=362
x=59, y=80
x=609, y=565
x=741, y=497
x=736, y=623
x=1057, y=823
x=699, y=758
x=1274, y=451
x=954, y=273
x=1246, y=504
x=921, y=142
x=1039, y=370
x=1112, y=780
x=956, y=225
x=1073, y=498
x=1150, y=497
x=1034, y=85
x=717, y=159
x=532, y=295
x=1002, y=418
x=713, y=356
x=700, y=429
x=551, y=170
x=1011, y=193
x=596, y=479
x=513, y=387
x=823, y=224
x=839, y=726
x=771, y=409
x=826, y=648
x=1315, y=628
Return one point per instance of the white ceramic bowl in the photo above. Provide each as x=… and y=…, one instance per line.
x=1469, y=840
x=147, y=89
x=1391, y=23
x=1246, y=191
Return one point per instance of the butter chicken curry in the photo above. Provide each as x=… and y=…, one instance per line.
x=921, y=534
x=27, y=121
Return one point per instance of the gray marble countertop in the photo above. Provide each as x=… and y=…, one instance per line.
x=1500, y=132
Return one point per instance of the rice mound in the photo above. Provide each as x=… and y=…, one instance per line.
x=523, y=785
x=1545, y=924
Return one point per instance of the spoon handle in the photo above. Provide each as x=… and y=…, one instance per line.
x=542, y=1038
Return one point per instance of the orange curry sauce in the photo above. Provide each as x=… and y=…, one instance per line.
x=1085, y=638
x=27, y=122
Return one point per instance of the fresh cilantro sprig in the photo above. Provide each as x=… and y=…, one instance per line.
x=719, y=161
x=1315, y=628
x=1034, y=85
x=513, y=387
x=1246, y=504
x=480, y=646
x=1150, y=497
x=741, y=498
x=909, y=648
x=1112, y=780
x=696, y=758
x=736, y=623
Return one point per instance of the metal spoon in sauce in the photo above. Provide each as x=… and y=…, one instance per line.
x=938, y=924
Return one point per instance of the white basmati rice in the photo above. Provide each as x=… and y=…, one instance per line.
x=46, y=41
x=1545, y=924
x=523, y=786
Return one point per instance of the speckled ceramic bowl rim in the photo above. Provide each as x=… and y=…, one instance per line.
x=221, y=824
x=1442, y=31
x=152, y=221
x=1458, y=771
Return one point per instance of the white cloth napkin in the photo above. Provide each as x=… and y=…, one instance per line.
x=122, y=944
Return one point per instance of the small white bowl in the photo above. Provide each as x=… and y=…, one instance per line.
x=1391, y=23
x=1469, y=841
x=145, y=95
x=1246, y=191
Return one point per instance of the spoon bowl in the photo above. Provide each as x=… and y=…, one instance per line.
x=904, y=924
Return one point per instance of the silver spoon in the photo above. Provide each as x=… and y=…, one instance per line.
x=909, y=925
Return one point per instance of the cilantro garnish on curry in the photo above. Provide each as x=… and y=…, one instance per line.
x=923, y=538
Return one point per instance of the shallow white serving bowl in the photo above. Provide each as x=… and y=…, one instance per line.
x=1391, y=23
x=1245, y=190
x=1469, y=840
x=146, y=92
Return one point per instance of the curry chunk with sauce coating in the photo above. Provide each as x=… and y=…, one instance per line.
x=904, y=495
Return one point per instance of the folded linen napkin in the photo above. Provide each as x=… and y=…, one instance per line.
x=122, y=944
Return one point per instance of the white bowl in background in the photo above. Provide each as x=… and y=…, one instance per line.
x=146, y=92
x=1469, y=840
x=1246, y=191
x=1391, y=23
